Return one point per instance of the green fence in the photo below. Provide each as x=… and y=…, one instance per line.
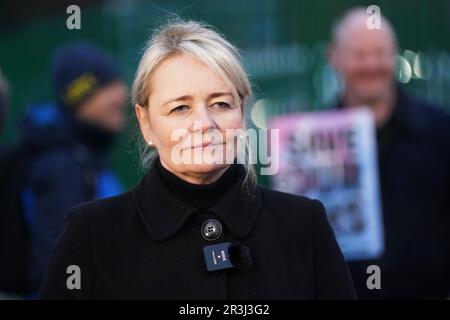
x=283, y=44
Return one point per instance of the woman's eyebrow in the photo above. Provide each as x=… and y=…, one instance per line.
x=182, y=98
x=219, y=94
x=189, y=97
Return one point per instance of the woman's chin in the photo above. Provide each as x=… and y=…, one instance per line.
x=204, y=168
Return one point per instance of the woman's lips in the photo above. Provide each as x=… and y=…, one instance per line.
x=205, y=145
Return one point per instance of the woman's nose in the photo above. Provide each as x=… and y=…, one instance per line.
x=202, y=121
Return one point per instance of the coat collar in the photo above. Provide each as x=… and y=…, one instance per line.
x=164, y=214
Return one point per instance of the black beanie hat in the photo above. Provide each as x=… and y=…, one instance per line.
x=78, y=70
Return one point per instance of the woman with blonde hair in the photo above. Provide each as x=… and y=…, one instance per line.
x=197, y=226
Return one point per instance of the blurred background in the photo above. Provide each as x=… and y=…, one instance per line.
x=283, y=44
x=284, y=48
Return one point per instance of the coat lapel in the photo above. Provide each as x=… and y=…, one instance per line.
x=163, y=214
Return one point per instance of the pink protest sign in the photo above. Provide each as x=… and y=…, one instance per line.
x=331, y=156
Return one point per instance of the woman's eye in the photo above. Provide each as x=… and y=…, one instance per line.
x=179, y=109
x=222, y=105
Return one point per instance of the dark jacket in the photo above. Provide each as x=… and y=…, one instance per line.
x=65, y=165
x=147, y=244
x=414, y=170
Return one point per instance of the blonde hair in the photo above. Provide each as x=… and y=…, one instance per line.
x=201, y=42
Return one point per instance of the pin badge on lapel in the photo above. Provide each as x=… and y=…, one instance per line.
x=217, y=257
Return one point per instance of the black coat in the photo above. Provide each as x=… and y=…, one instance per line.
x=147, y=244
x=414, y=167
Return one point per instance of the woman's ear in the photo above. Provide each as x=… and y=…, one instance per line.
x=143, y=117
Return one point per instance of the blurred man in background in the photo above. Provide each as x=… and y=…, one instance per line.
x=414, y=164
x=64, y=146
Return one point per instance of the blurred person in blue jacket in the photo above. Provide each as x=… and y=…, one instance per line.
x=69, y=141
x=413, y=139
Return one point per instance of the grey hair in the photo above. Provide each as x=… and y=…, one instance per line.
x=200, y=41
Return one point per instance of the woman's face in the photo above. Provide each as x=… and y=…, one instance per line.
x=191, y=116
